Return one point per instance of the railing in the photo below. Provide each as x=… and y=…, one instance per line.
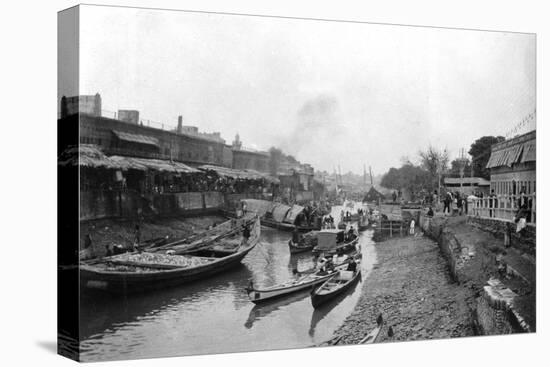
x=505, y=207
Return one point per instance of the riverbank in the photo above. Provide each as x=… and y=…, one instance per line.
x=411, y=287
x=463, y=276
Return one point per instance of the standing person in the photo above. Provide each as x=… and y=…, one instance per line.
x=246, y=233
x=458, y=203
x=137, y=237
x=411, y=231
x=394, y=196
x=447, y=203
x=492, y=203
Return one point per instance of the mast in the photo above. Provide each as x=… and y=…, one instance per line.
x=370, y=173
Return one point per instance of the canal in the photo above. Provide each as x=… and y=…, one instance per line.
x=215, y=314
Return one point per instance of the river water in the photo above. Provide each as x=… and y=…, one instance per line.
x=215, y=315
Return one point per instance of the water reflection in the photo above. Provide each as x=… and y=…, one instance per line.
x=324, y=309
x=215, y=314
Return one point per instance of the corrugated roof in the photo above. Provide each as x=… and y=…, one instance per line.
x=518, y=150
x=136, y=138
x=480, y=181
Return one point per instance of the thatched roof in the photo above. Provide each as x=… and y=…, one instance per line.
x=144, y=164
x=373, y=195
x=248, y=174
x=86, y=155
x=89, y=155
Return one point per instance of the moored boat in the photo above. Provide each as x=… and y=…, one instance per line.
x=332, y=241
x=139, y=272
x=334, y=286
x=258, y=295
x=306, y=243
x=296, y=248
x=308, y=280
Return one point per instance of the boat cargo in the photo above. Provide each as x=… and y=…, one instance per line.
x=139, y=272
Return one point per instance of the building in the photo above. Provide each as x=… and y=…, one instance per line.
x=116, y=137
x=131, y=116
x=513, y=165
x=244, y=158
x=467, y=185
x=90, y=105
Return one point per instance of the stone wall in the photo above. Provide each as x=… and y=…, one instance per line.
x=524, y=241
x=493, y=309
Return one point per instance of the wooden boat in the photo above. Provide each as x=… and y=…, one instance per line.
x=371, y=337
x=257, y=295
x=307, y=243
x=133, y=272
x=332, y=241
x=296, y=248
x=334, y=286
x=307, y=281
x=287, y=226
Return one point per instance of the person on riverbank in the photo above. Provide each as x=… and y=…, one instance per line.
x=447, y=203
x=430, y=212
x=492, y=203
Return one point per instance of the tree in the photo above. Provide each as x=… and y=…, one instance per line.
x=455, y=168
x=275, y=158
x=412, y=178
x=434, y=161
x=480, y=150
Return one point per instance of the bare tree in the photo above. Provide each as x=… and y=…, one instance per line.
x=436, y=162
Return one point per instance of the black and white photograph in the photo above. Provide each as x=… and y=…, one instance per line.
x=249, y=183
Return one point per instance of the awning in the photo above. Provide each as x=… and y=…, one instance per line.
x=293, y=213
x=480, y=181
x=516, y=151
x=136, y=138
x=235, y=173
x=144, y=164
x=86, y=155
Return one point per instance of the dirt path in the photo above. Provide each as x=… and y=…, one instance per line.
x=411, y=288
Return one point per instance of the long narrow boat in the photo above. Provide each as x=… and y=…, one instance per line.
x=257, y=295
x=287, y=226
x=334, y=286
x=371, y=337
x=308, y=281
x=139, y=272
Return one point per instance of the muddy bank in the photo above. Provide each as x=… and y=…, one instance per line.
x=411, y=287
x=107, y=232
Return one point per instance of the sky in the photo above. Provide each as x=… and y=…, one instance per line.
x=329, y=93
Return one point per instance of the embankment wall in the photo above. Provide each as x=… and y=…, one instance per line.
x=492, y=310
